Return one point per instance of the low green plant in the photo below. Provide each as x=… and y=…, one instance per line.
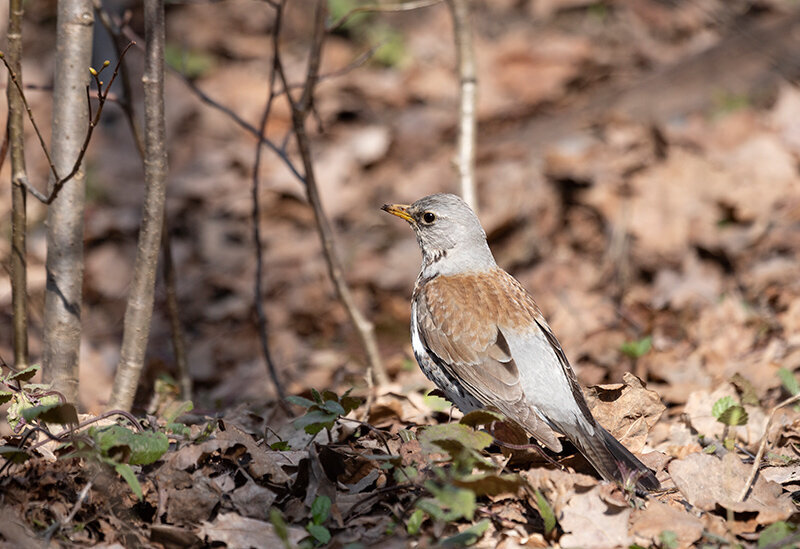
x=731, y=414
x=324, y=410
x=320, y=510
x=461, y=478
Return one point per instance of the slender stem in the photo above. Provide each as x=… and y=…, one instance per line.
x=263, y=334
x=300, y=110
x=762, y=447
x=16, y=142
x=468, y=91
x=139, y=308
x=170, y=278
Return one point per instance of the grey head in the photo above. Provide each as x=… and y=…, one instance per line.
x=449, y=234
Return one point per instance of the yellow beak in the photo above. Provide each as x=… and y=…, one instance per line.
x=400, y=210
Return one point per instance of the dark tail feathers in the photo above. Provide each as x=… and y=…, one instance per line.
x=614, y=462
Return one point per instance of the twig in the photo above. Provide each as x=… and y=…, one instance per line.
x=300, y=111
x=15, y=137
x=263, y=335
x=59, y=524
x=403, y=6
x=168, y=265
x=763, y=446
x=139, y=308
x=279, y=151
x=468, y=89
x=102, y=96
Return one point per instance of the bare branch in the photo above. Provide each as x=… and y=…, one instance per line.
x=256, y=218
x=300, y=111
x=102, y=97
x=468, y=88
x=139, y=308
x=402, y=6
x=762, y=446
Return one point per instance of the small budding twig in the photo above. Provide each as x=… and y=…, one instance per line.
x=102, y=95
x=762, y=447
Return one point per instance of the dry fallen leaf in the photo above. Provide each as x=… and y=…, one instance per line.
x=648, y=524
x=590, y=522
x=707, y=481
x=627, y=410
x=238, y=531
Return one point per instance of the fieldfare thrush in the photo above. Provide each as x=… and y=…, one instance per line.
x=481, y=338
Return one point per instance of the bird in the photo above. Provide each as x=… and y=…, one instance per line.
x=479, y=336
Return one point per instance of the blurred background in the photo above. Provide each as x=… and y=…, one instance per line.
x=637, y=171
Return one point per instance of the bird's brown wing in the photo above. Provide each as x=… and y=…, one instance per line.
x=459, y=320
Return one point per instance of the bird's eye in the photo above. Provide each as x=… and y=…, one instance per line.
x=428, y=217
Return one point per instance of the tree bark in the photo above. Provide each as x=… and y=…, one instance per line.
x=139, y=310
x=16, y=137
x=468, y=92
x=62, y=310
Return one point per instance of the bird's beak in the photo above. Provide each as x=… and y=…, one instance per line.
x=400, y=210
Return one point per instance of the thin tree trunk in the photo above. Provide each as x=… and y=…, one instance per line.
x=62, y=309
x=16, y=137
x=139, y=309
x=468, y=91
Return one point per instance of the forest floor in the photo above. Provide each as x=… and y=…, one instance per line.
x=638, y=172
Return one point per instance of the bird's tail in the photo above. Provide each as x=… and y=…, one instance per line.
x=614, y=462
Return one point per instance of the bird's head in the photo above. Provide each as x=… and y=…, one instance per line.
x=448, y=232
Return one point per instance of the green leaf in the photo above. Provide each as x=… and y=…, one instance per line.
x=637, y=349
x=319, y=533
x=5, y=396
x=127, y=473
x=431, y=507
x=176, y=410
x=490, y=484
x=436, y=437
x=124, y=445
x=415, y=522
x=281, y=529
x=721, y=405
x=280, y=446
x=460, y=501
x=178, y=429
x=300, y=401
x=437, y=403
x=14, y=454
x=789, y=381
x=775, y=533
x=62, y=414
x=350, y=403
x=546, y=512
x=734, y=415
x=320, y=509
x=668, y=539
x=333, y=407
x=25, y=374
x=481, y=417
x=468, y=536
x=316, y=396
x=314, y=421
